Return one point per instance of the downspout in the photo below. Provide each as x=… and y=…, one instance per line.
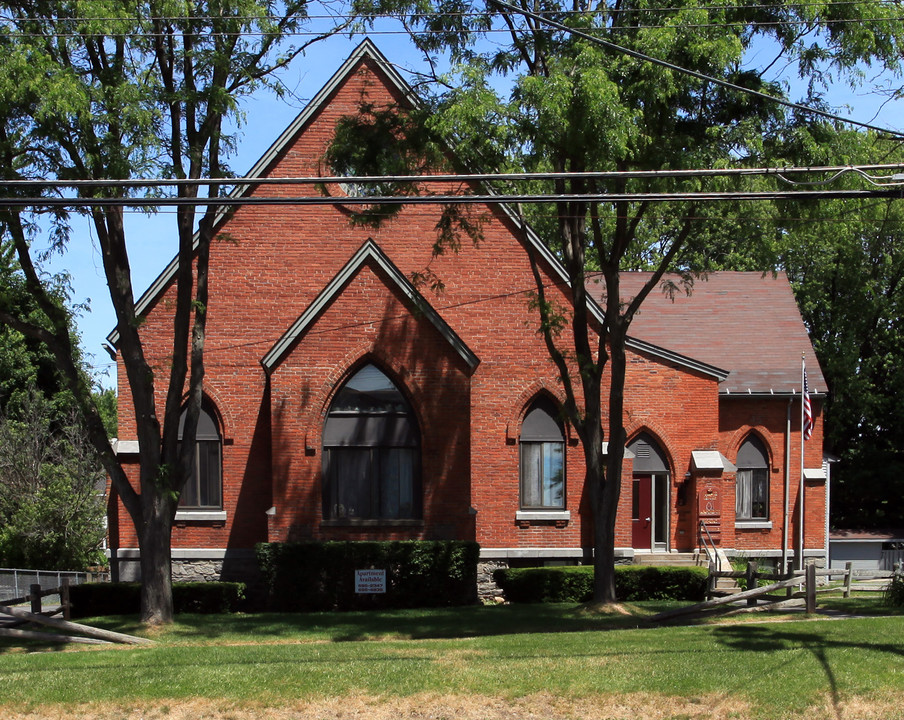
x=787, y=488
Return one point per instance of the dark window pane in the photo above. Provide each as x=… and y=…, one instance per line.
x=204, y=489
x=752, y=494
x=371, y=457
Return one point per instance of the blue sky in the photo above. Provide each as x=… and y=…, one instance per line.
x=152, y=237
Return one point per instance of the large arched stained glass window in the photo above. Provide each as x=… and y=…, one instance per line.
x=371, y=452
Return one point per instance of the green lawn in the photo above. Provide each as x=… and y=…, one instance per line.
x=773, y=669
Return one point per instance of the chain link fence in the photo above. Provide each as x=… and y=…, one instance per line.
x=16, y=583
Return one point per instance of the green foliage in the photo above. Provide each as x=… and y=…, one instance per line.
x=894, y=593
x=845, y=260
x=575, y=584
x=106, y=402
x=51, y=490
x=321, y=576
x=99, y=599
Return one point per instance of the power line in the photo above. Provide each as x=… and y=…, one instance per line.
x=250, y=180
x=454, y=199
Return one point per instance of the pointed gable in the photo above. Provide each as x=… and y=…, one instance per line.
x=369, y=253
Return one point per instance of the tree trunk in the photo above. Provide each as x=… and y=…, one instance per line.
x=156, y=563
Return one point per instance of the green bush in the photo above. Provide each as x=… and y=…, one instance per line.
x=92, y=599
x=321, y=576
x=894, y=593
x=575, y=584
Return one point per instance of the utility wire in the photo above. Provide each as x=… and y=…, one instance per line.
x=450, y=199
x=248, y=180
x=691, y=73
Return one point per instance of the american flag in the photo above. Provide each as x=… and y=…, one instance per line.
x=808, y=409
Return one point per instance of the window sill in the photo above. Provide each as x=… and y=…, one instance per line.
x=753, y=524
x=540, y=515
x=200, y=515
x=353, y=522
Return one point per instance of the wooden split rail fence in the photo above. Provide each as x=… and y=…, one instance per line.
x=766, y=597
x=12, y=618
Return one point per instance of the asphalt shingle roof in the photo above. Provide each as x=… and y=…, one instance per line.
x=745, y=322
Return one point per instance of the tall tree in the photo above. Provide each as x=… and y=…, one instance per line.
x=846, y=263
x=526, y=93
x=112, y=90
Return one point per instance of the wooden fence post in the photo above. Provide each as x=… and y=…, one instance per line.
x=811, y=588
x=848, y=577
x=750, y=575
x=34, y=595
x=64, y=598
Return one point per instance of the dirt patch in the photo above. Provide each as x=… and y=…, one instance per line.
x=453, y=707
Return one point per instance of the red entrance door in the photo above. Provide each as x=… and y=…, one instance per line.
x=642, y=513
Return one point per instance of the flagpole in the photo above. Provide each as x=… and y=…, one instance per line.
x=799, y=556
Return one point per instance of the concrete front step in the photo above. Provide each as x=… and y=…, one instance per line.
x=684, y=559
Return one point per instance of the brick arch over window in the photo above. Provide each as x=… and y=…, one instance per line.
x=364, y=353
x=649, y=452
x=204, y=488
x=523, y=404
x=371, y=451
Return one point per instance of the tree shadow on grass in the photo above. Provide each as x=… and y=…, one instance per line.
x=429, y=623
x=766, y=639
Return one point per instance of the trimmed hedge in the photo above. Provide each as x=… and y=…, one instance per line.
x=310, y=576
x=575, y=584
x=92, y=599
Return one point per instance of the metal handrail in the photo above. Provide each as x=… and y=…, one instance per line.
x=714, y=556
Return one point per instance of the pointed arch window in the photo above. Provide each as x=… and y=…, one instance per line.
x=542, y=458
x=371, y=452
x=204, y=489
x=752, y=481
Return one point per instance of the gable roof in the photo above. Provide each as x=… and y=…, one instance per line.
x=746, y=322
x=369, y=252
x=367, y=50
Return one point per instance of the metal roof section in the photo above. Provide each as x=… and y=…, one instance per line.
x=369, y=252
x=366, y=49
x=711, y=460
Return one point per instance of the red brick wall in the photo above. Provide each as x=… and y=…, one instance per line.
x=767, y=418
x=267, y=266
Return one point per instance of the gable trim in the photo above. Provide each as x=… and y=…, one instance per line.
x=673, y=357
x=369, y=251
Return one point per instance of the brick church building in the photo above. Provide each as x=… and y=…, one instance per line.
x=343, y=402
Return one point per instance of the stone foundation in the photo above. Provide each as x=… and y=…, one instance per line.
x=487, y=590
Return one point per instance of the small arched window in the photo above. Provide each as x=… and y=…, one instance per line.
x=752, y=481
x=204, y=489
x=542, y=458
x=371, y=452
